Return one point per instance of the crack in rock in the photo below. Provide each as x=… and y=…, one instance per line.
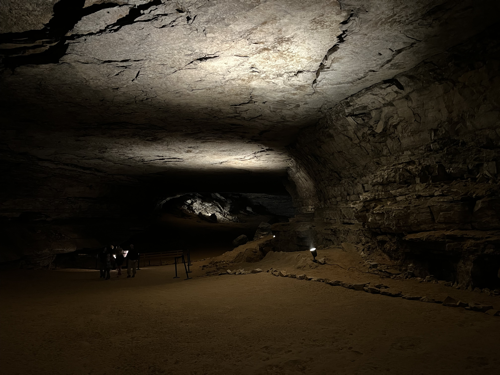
x=254, y=155
x=250, y=101
x=340, y=39
x=67, y=13
x=207, y=57
x=396, y=53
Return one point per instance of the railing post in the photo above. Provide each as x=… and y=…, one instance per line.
x=176, y=277
x=185, y=267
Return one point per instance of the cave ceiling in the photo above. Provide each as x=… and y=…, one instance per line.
x=135, y=88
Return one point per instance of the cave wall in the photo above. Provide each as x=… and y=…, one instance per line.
x=409, y=167
x=48, y=209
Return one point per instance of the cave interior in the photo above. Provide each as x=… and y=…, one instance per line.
x=372, y=125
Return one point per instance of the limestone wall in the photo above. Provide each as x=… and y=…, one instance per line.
x=411, y=166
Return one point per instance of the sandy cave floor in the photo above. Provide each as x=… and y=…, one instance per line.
x=71, y=322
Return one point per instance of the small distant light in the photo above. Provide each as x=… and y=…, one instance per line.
x=314, y=253
x=274, y=236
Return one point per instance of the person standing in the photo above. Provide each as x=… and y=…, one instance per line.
x=109, y=261
x=102, y=262
x=132, y=260
x=105, y=262
x=119, y=258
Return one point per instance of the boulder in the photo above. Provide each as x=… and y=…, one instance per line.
x=240, y=240
x=386, y=292
x=479, y=307
x=449, y=301
x=263, y=230
x=426, y=299
x=250, y=255
x=412, y=298
x=360, y=286
x=334, y=282
x=493, y=312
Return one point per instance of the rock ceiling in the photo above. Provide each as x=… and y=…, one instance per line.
x=138, y=87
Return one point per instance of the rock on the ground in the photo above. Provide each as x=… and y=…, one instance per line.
x=334, y=282
x=479, y=307
x=372, y=290
x=240, y=240
x=249, y=255
x=263, y=230
x=389, y=293
x=359, y=286
x=493, y=312
x=411, y=297
x=449, y=301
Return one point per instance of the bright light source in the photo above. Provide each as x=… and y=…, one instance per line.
x=314, y=253
x=274, y=236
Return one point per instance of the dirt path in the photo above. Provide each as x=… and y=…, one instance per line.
x=71, y=322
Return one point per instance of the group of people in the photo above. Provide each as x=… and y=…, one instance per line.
x=114, y=256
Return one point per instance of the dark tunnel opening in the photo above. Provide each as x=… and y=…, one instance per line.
x=486, y=272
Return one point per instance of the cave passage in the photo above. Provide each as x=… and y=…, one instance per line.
x=249, y=132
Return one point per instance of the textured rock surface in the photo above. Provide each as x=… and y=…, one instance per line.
x=410, y=167
x=141, y=87
x=109, y=105
x=18, y=16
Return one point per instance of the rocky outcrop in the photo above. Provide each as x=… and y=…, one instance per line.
x=227, y=207
x=139, y=87
x=410, y=167
x=263, y=230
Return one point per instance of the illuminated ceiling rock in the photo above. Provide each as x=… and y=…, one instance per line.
x=18, y=16
x=127, y=81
